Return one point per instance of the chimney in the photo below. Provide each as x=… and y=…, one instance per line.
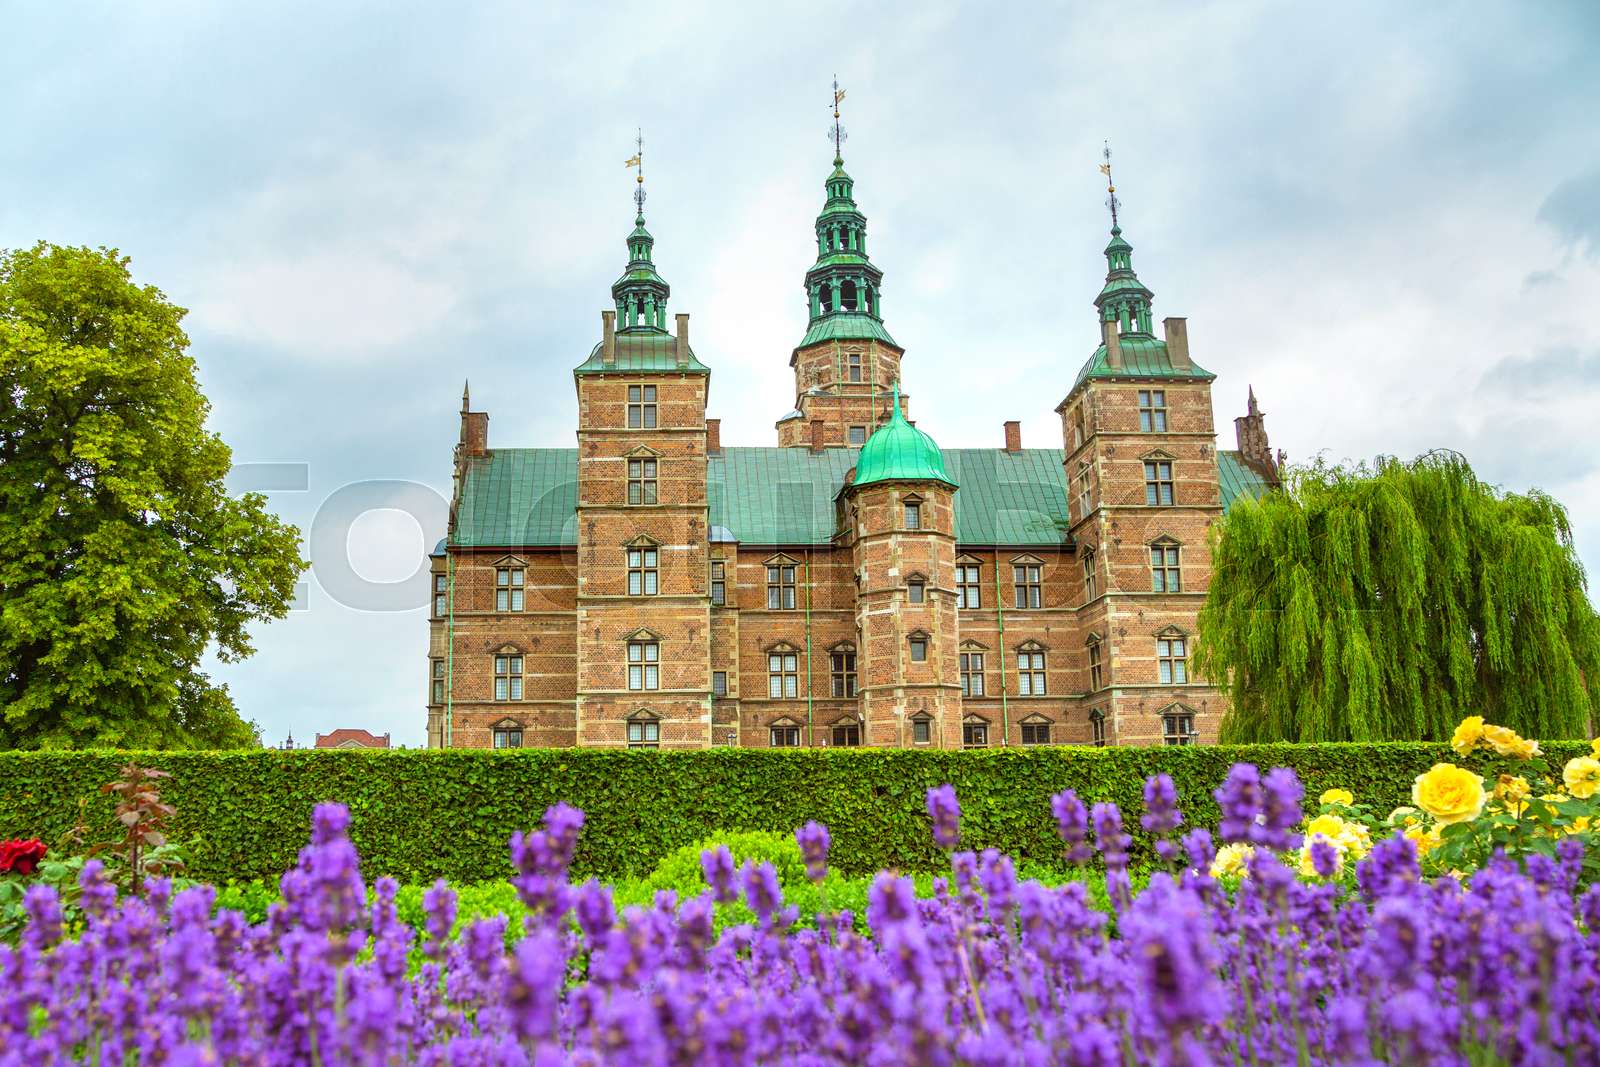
x=1250, y=431
x=1176, y=332
x=816, y=435
x=474, y=430
x=713, y=437
x=683, y=339
x=608, y=338
x=1013, y=436
x=1113, y=344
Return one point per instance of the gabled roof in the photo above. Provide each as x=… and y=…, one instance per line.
x=1238, y=477
x=349, y=738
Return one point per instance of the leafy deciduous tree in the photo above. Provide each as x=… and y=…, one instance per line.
x=122, y=557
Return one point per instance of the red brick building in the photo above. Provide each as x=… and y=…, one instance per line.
x=856, y=584
x=348, y=738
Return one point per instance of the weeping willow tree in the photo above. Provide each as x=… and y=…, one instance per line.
x=1387, y=602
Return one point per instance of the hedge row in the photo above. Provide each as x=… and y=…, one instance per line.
x=421, y=814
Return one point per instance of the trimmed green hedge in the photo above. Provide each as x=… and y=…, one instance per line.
x=421, y=814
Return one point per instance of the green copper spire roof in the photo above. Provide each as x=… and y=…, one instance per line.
x=897, y=451
x=641, y=294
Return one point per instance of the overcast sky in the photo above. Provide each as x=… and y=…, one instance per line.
x=1385, y=217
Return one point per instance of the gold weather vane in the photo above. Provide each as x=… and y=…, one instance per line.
x=1111, y=190
x=638, y=161
x=837, y=133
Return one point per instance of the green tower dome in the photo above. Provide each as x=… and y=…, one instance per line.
x=899, y=452
x=844, y=289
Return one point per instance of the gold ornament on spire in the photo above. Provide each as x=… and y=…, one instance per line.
x=637, y=161
x=1111, y=190
x=837, y=133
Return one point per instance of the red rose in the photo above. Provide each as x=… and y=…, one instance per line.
x=21, y=856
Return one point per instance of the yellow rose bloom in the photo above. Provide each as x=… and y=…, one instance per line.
x=1425, y=840
x=1449, y=793
x=1404, y=817
x=1338, y=796
x=1512, y=793
x=1582, y=776
x=1524, y=749
x=1501, y=739
x=1232, y=860
x=1467, y=734
x=1594, y=747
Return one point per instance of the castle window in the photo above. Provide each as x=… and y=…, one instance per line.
x=641, y=481
x=919, y=648
x=913, y=515
x=1036, y=733
x=846, y=735
x=842, y=665
x=719, y=582
x=783, y=734
x=508, y=589
x=644, y=665
x=783, y=675
x=858, y=435
x=1164, y=570
x=968, y=586
x=508, y=677
x=1097, y=727
x=642, y=572
x=1172, y=660
x=1085, y=501
x=853, y=367
x=644, y=731
x=1090, y=577
x=641, y=407
x=1077, y=429
x=1153, y=410
x=915, y=590
x=1177, y=725
x=780, y=587
x=719, y=683
x=972, y=674
x=974, y=734
x=441, y=591
x=508, y=736
x=1030, y=671
x=438, y=682
x=1097, y=679
x=1158, y=482
x=921, y=730
x=1026, y=579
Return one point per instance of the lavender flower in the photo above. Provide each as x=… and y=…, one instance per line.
x=717, y=865
x=1072, y=822
x=945, y=812
x=1162, y=817
x=1281, y=811
x=813, y=840
x=1240, y=798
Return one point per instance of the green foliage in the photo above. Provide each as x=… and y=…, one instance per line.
x=122, y=557
x=418, y=815
x=680, y=869
x=1384, y=603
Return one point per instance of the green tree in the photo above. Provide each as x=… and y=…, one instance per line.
x=1387, y=602
x=122, y=557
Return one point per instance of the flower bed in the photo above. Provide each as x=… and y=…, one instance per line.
x=1361, y=960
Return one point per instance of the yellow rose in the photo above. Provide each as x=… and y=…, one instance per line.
x=1506, y=742
x=1582, y=775
x=1338, y=796
x=1232, y=860
x=1355, y=839
x=1329, y=826
x=1467, y=734
x=1449, y=793
x=1425, y=840
x=1404, y=817
x=1594, y=747
x=1512, y=793
x=1524, y=749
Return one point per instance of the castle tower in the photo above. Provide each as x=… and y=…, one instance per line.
x=1142, y=487
x=643, y=605
x=900, y=510
x=845, y=363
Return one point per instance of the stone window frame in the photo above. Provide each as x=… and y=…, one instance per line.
x=782, y=562
x=643, y=558
x=441, y=594
x=1093, y=644
x=922, y=723
x=719, y=684
x=1177, y=724
x=787, y=676
x=438, y=680
x=1166, y=576
x=1085, y=498
x=645, y=661
x=969, y=586
x=643, y=729
x=845, y=723
x=911, y=513
x=1036, y=729
x=842, y=671
x=784, y=732
x=1097, y=728
x=1160, y=479
x=1152, y=411
x=1033, y=669
x=1172, y=656
x=1029, y=585
x=643, y=402
x=644, y=474
x=855, y=436
x=1091, y=575
x=854, y=364
x=970, y=668
x=511, y=729
x=718, y=578
x=974, y=731
x=916, y=588
x=913, y=640
x=508, y=669
x=510, y=584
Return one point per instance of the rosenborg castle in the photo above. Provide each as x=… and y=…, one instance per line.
x=854, y=583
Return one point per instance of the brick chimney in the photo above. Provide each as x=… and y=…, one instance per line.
x=1250, y=431
x=1113, y=342
x=713, y=437
x=1013, y=436
x=608, y=338
x=1176, y=332
x=683, y=338
x=474, y=429
x=816, y=435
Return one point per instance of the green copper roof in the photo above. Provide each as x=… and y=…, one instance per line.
x=1142, y=357
x=846, y=327
x=642, y=350
x=528, y=497
x=897, y=452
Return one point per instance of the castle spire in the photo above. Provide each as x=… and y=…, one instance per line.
x=641, y=293
x=1123, y=300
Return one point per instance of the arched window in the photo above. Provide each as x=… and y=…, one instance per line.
x=847, y=296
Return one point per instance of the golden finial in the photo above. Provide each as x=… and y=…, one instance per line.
x=838, y=130
x=1111, y=190
x=638, y=162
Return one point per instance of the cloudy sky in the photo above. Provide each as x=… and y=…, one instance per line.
x=1384, y=217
